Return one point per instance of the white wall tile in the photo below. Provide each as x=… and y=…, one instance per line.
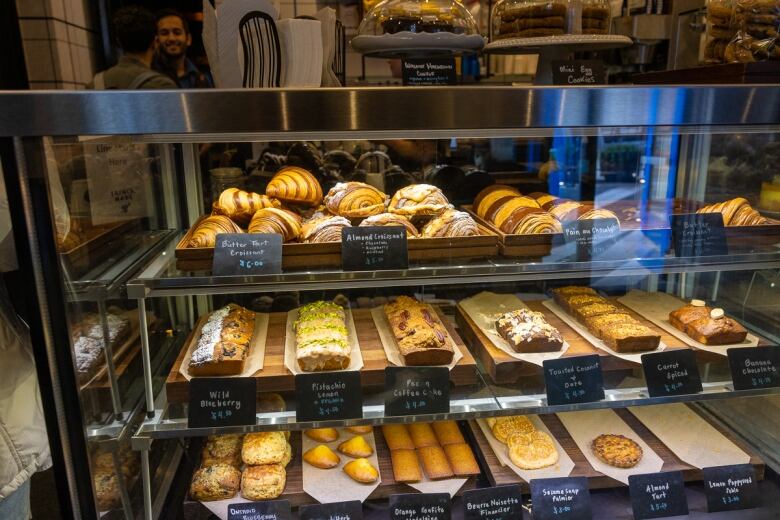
x=34, y=29
x=55, y=9
x=63, y=63
x=40, y=65
x=58, y=30
x=30, y=8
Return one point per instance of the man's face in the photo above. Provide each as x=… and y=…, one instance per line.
x=172, y=37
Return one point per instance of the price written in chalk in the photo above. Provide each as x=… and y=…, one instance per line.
x=494, y=503
x=417, y=506
x=565, y=498
x=373, y=248
x=729, y=488
x=699, y=234
x=352, y=510
x=673, y=372
x=217, y=401
x=593, y=239
x=578, y=72
x=754, y=367
x=247, y=254
x=414, y=390
x=576, y=379
x=271, y=510
x=328, y=395
x=656, y=495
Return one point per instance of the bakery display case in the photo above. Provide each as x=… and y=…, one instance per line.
x=506, y=292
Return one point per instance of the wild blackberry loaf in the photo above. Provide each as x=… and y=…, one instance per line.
x=421, y=337
x=707, y=325
x=528, y=331
x=224, y=342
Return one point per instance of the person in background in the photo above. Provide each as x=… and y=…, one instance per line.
x=135, y=29
x=173, y=40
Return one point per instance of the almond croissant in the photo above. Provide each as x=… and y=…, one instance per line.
x=355, y=200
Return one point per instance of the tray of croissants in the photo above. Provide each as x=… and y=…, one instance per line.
x=528, y=225
x=310, y=223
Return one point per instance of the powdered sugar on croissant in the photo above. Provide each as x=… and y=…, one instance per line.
x=355, y=200
x=451, y=223
x=323, y=229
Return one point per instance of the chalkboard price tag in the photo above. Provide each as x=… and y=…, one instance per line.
x=576, y=379
x=565, y=498
x=247, y=254
x=593, y=238
x=729, y=488
x=222, y=401
x=352, y=510
x=417, y=506
x=578, y=72
x=271, y=510
x=428, y=71
x=699, y=234
x=657, y=495
x=328, y=395
x=493, y=503
x=417, y=390
x=372, y=248
x=672, y=372
x=754, y=367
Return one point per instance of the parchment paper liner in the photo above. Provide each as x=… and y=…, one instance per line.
x=291, y=362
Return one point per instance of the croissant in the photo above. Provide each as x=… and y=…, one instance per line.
x=240, y=205
x=502, y=208
x=355, y=200
x=736, y=212
x=418, y=200
x=274, y=220
x=565, y=210
x=295, y=185
x=323, y=229
x=389, y=219
x=747, y=216
x=205, y=235
x=598, y=213
x=451, y=223
x=530, y=221
x=489, y=195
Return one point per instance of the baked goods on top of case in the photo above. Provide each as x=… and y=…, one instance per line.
x=418, y=200
x=421, y=337
x=415, y=16
x=321, y=337
x=707, y=325
x=355, y=200
x=240, y=205
x=217, y=482
x=532, y=450
x=205, y=234
x=361, y=470
x=321, y=457
x=721, y=28
x=737, y=212
x=295, y=185
x=529, y=19
x=596, y=17
x=390, y=219
x=450, y=223
x=528, y=331
x=617, y=450
x=276, y=220
x=224, y=342
x=263, y=482
x=323, y=229
x=264, y=448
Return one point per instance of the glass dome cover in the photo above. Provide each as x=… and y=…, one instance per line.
x=418, y=16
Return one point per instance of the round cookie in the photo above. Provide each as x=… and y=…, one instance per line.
x=617, y=450
x=505, y=427
x=532, y=450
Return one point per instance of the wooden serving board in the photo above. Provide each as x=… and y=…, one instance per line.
x=499, y=475
x=275, y=377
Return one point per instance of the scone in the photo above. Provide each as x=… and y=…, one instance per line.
x=222, y=449
x=422, y=435
x=107, y=490
x=264, y=482
x=264, y=448
x=217, y=482
x=397, y=437
x=505, y=427
x=532, y=450
x=321, y=457
x=406, y=466
x=287, y=455
x=356, y=447
x=461, y=459
x=322, y=434
x=617, y=450
x=361, y=470
x=447, y=432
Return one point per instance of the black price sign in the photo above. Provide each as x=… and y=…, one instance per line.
x=495, y=503
x=420, y=506
x=222, y=401
x=699, y=234
x=673, y=372
x=564, y=498
x=593, y=238
x=417, y=390
x=729, y=488
x=428, y=71
x=247, y=253
x=754, y=367
x=657, y=495
x=578, y=72
x=352, y=510
x=372, y=248
x=576, y=379
x=271, y=510
x=328, y=395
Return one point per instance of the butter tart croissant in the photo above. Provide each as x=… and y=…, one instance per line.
x=388, y=219
x=296, y=186
x=355, y=200
x=240, y=205
x=323, y=229
x=451, y=223
x=274, y=220
x=205, y=235
x=418, y=200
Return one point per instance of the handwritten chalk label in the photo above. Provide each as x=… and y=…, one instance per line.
x=576, y=379
x=420, y=506
x=247, y=254
x=372, y=248
x=565, y=498
x=352, y=510
x=416, y=72
x=222, y=401
x=657, y=495
x=593, y=238
x=699, y=234
x=672, y=372
x=729, y=488
x=578, y=72
x=754, y=367
x=417, y=390
x=328, y=395
x=271, y=510
x=493, y=503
